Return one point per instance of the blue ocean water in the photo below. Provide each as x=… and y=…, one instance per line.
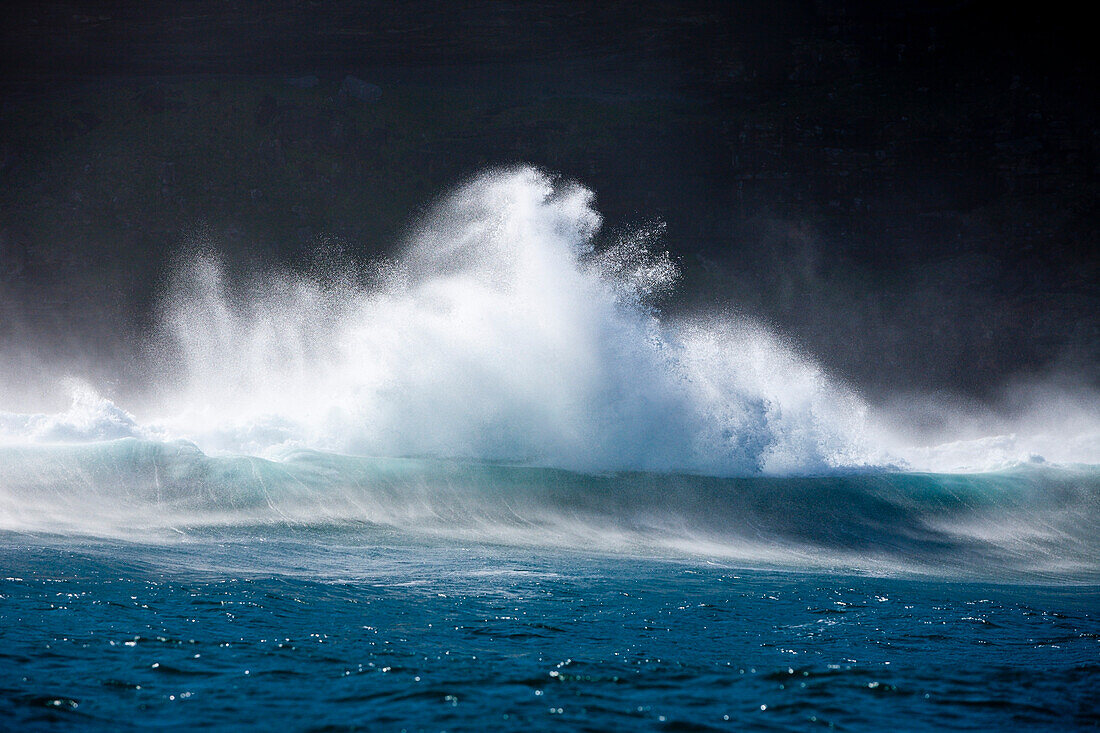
x=360, y=628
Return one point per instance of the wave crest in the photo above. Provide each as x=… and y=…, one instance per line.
x=502, y=332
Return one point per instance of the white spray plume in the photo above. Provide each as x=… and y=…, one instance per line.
x=500, y=333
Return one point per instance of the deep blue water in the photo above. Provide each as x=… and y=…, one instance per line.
x=358, y=627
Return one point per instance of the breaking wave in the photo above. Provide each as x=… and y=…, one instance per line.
x=502, y=332
x=514, y=366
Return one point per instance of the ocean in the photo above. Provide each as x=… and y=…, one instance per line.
x=358, y=627
x=488, y=484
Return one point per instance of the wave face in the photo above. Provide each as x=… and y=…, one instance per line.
x=1032, y=522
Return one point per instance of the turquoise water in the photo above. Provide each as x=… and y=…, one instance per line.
x=1029, y=523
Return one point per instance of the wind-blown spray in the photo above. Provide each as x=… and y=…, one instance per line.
x=500, y=333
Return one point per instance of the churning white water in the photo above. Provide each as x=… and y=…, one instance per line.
x=501, y=332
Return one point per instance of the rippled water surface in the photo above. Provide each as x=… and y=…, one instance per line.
x=357, y=628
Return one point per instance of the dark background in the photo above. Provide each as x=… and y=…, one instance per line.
x=907, y=189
